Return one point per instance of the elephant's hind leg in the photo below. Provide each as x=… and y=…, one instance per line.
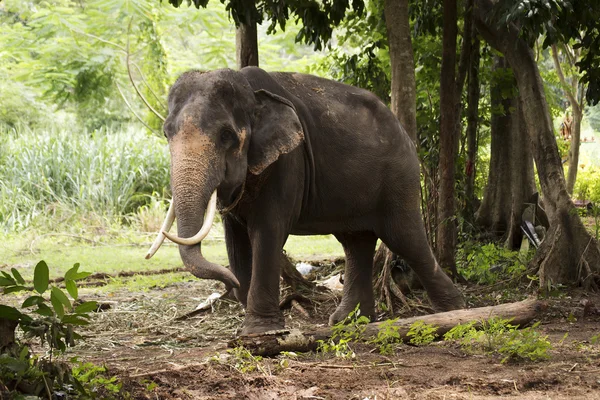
x=404, y=233
x=358, y=285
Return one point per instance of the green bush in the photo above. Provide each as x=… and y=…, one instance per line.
x=61, y=173
x=587, y=185
x=49, y=315
x=486, y=264
x=498, y=336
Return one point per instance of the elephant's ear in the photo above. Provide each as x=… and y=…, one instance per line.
x=276, y=131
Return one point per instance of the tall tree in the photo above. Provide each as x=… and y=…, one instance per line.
x=446, y=234
x=574, y=92
x=471, y=134
x=246, y=40
x=510, y=182
x=404, y=106
x=569, y=254
x=403, y=89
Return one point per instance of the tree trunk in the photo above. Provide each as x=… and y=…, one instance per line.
x=510, y=180
x=446, y=233
x=404, y=92
x=521, y=177
x=404, y=106
x=576, y=107
x=472, y=125
x=574, y=150
x=494, y=213
x=569, y=254
x=246, y=43
x=7, y=334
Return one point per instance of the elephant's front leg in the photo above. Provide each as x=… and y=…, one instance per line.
x=239, y=252
x=262, y=311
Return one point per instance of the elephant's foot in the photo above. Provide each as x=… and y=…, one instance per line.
x=367, y=309
x=256, y=324
x=451, y=300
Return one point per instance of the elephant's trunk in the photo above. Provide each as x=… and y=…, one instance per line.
x=190, y=223
x=192, y=185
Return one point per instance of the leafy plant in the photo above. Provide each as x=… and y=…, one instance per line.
x=486, y=264
x=344, y=332
x=240, y=359
x=93, y=382
x=421, y=334
x=48, y=315
x=498, y=336
x=387, y=336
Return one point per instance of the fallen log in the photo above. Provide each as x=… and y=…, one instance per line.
x=272, y=343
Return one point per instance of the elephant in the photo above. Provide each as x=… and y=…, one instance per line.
x=291, y=153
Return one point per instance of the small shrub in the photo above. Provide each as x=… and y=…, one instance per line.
x=387, y=336
x=240, y=359
x=344, y=332
x=49, y=316
x=421, y=334
x=488, y=263
x=498, y=336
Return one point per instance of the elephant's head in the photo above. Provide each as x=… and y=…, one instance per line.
x=218, y=129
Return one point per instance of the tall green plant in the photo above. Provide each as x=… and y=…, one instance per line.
x=58, y=173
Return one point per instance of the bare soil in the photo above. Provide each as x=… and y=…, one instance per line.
x=157, y=356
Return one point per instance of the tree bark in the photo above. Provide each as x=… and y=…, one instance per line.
x=246, y=43
x=494, y=213
x=472, y=127
x=404, y=106
x=569, y=254
x=7, y=334
x=510, y=180
x=576, y=125
x=270, y=344
x=447, y=231
x=521, y=177
x=404, y=91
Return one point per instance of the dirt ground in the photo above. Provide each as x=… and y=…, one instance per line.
x=157, y=356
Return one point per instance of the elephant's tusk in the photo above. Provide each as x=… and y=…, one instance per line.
x=208, y=221
x=160, y=238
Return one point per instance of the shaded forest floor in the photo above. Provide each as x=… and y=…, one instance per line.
x=141, y=340
x=156, y=356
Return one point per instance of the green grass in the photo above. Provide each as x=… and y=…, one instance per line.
x=125, y=252
x=56, y=177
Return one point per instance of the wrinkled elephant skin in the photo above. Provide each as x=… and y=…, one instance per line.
x=295, y=154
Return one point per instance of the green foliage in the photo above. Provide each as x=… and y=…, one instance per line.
x=498, y=336
x=387, y=336
x=343, y=333
x=560, y=21
x=57, y=173
x=93, y=381
x=240, y=359
x=485, y=264
x=363, y=60
x=50, y=320
x=587, y=185
x=421, y=334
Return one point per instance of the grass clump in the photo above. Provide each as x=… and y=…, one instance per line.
x=498, y=336
x=61, y=175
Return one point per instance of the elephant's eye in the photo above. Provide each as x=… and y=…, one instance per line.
x=228, y=136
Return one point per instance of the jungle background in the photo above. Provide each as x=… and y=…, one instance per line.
x=84, y=178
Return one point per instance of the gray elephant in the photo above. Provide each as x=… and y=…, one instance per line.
x=288, y=153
